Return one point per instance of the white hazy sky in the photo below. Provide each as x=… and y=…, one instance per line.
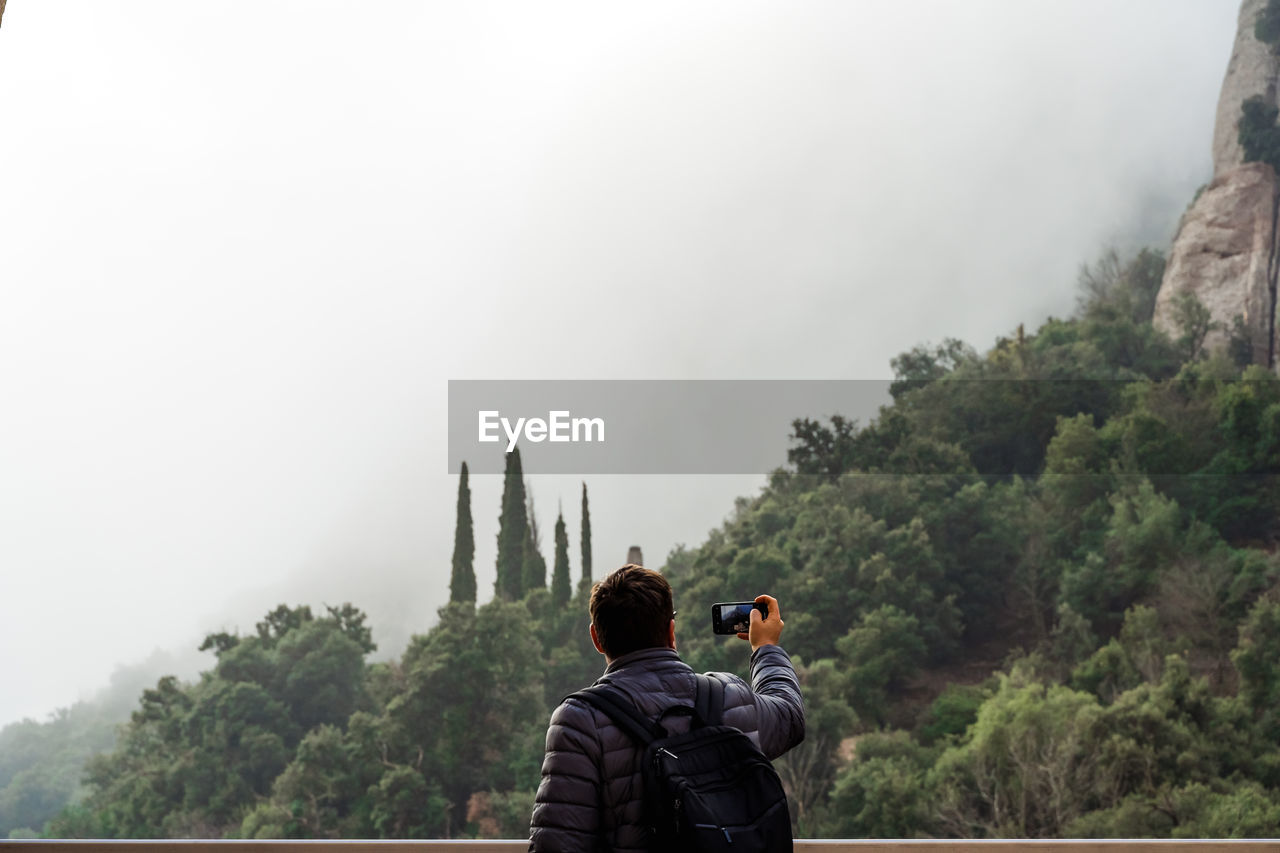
x=243, y=248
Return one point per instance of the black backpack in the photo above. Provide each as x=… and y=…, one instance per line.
x=707, y=789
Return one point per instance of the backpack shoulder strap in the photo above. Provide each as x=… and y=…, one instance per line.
x=620, y=709
x=709, y=699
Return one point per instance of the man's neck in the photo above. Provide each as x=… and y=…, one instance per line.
x=640, y=654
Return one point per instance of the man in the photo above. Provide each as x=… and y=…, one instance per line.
x=591, y=795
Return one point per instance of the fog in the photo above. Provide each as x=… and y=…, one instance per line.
x=242, y=251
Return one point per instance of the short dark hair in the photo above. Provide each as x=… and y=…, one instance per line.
x=631, y=610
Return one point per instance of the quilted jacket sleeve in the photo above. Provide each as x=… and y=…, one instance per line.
x=566, y=809
x=779, y=705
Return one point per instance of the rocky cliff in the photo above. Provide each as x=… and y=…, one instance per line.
x=1225, y=249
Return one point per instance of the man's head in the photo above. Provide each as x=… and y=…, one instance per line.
x=630, y=610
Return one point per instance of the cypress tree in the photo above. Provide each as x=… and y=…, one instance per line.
x=584, y=585
x=561, y=587
x=513, y=529
x=533, y=564
x=462, y=583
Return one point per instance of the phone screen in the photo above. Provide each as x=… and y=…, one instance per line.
x=735, y=618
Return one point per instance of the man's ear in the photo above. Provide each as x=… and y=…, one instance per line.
x=595, y=640
x=671, y=635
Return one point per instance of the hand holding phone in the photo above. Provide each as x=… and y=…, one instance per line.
x=765, y=630
x=740, y=617
x=734, y=617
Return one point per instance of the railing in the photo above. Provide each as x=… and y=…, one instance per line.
x=801, y=846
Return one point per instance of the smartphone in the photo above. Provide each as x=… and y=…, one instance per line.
x=734, y=617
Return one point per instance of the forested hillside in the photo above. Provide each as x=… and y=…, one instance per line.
x=1089, y=511
x=41, y=763
x=1037, y=596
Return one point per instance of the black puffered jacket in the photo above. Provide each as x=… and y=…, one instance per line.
x=591, y=795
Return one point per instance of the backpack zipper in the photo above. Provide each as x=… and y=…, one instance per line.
x=728, y=838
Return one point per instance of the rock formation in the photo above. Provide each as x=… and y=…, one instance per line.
x=1250, y=71
x=1225, y=249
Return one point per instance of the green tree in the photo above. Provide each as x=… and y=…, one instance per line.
x=318, y=672
x=1257, y=132
x=561, y=586
x=1169, y=732
x=1136, y=656
x=880, y=653
x=317, y=789
x=500, y=814
x=1194, y=322
x=921, y=365
x=1238, y=489
x=820, y=451
x=1113, y=289
x=533, y=565
x=951, y=714
x=1257, y=659
x=1076, y=479
x=1197, y=810
x=405, y=805
x=195, y=760
x=41, y=763
x=808, y=769
x=472, y=703
x=1240, y=347
x=1028, y=769
x=513, y=531
x=191, y=762
x=1144, y=534
x=986, y=541
x=1267, y=27
x=584, y=585
x=462, y=582
x=882, y=793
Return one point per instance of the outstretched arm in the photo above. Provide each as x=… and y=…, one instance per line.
x=779, y=705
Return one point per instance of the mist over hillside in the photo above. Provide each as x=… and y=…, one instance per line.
x=231, y=389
